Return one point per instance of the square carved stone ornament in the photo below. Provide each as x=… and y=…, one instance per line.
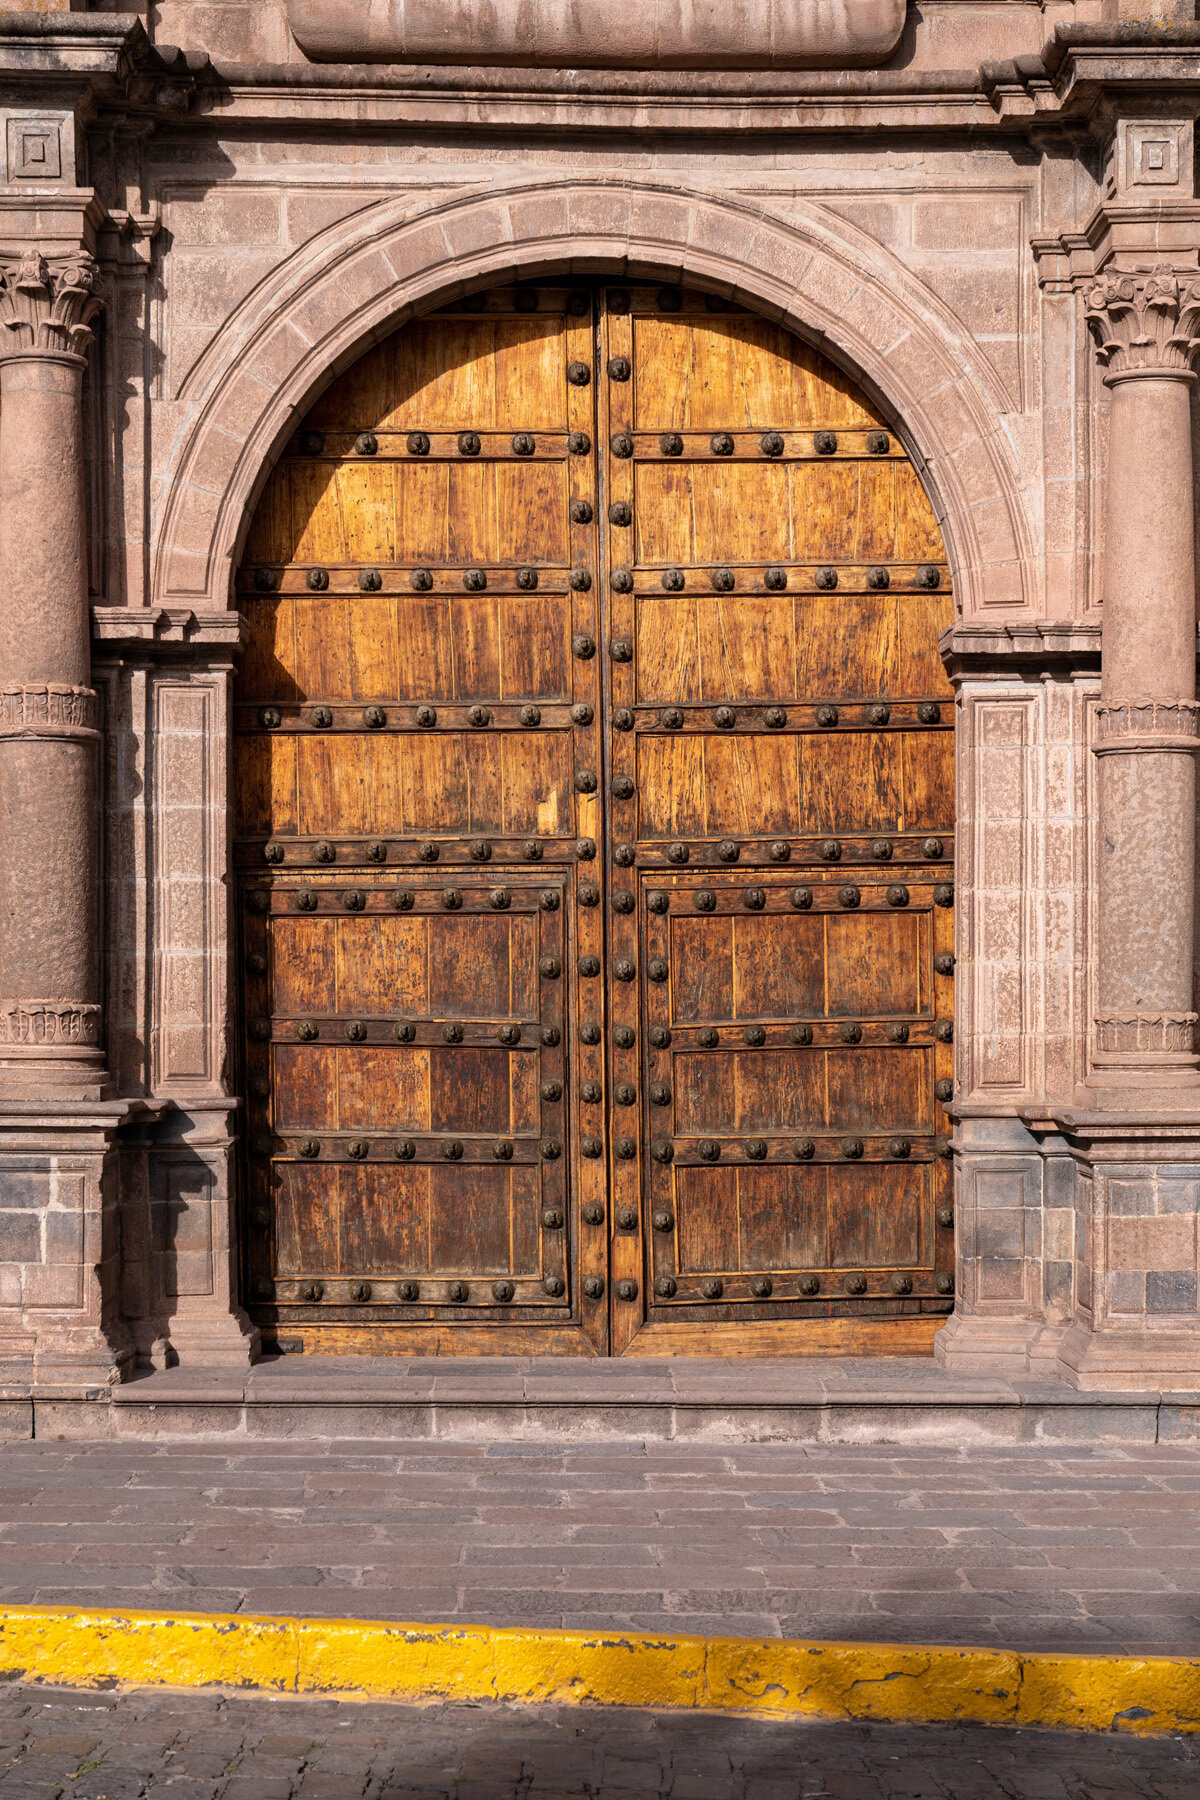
x=622, y=34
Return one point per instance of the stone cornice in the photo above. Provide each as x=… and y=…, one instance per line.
x=83, y=57
x=981, y=649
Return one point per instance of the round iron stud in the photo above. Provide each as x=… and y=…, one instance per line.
x=708, y=1150
x=676, y=853
x=826, y=716
x=771, y=443
x=826, y=578
x=852, y=1148
x=671, y=444
x=404, y=1031
x=801, y=898
x=878, y=578
x=627, y=1290
x=809, y=1285
x=527, y=580
x=943, y=963
x=722, y=443
x=370, y=581
x=308, y=1148
x=897, y=894
x=943, y=894
x=469, y=443
x=801, y=1034
x=723, y=580
x=452, y=1150
x=761, y=1287
x=712, y=1287
x=850, y=1032
x=825, y=443
x=554, y=1286
x=619, y=368
x=620, y=513
x=578, y=374
x=878, y=713
x=830, y=850
x=265, y=581
x=578, y=443
x=881, y=849
x=589, y=967
x=360, y=1290
x=928, y=576
x=779, y=851
x=944, y=1284
x=524, y=443
x=878, y=443
x=756, y=1149
x=408, y=1290
x=418, y=443
x=775, y=579
x=775, y=718
x=452, y=1034
x=704, y=900
x=849, y=895
x=803, y=1150
x=420, y=581
x=666, y=1287
x=855, y=1284
x=899, y=1148
x=754, y=898
x=458, y=1291
x=591, y=1147
x=724, y=718
x=374, y=718
x=359, y=1149
x=945, y=1217
x=318, y=580
x=581, y=512
x=503, y=1291
x=474, y=580
x=896, y=1032
x=673, y=580
x=660, y=1037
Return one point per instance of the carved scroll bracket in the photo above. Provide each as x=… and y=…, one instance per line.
x=47, y=304
x=1145, y=322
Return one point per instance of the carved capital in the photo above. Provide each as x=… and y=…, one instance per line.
x=1145, y=321
x=1142, y=1038
x=33, y=1023
x=1147, y=725
x=48, y=304
x=53, y=710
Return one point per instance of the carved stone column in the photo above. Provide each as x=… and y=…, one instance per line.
x=1146, y=327
x=49, y=802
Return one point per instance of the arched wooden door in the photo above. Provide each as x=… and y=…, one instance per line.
x=594, y=811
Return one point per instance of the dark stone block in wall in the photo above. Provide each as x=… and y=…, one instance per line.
x=1171, y=1290
x=20, y=1237
x=19, y=1187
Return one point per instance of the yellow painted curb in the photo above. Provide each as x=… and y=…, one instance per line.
x=766, y=1677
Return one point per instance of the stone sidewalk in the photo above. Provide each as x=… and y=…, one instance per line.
x=213, y=1747
x=1025, y=1548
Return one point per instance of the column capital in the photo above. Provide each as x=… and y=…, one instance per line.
x=1145, y=321
x=47, y=303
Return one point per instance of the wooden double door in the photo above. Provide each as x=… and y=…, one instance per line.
x=594, y=814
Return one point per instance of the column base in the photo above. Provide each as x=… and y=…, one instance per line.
x=1129, y=1360
x=1008, y=1349
x=226, y=1341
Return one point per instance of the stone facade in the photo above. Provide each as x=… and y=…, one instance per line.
x=208, y=210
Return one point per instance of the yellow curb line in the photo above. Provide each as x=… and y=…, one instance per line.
x=766, y=1677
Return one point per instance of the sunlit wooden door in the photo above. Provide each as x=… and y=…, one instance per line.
x=594, y=827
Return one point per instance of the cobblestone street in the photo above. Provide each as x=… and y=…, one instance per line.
x=1028, y=1549
x=210, y=1747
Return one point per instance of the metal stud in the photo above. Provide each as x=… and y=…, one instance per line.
x=943, y=894
x=929, y=712
x=623, y=855
x=409, y=1290
x=590, y=1032
x=809, y=1284
x=360, y=1290
x=728, y=850
x=724, y=718
x=775, y=579
x=619, y=368
x=801, y=898
x=666, y=1287
x=356, y=1031
x=421, y=580
x=899, y=1148
x=878, y=443
x=621, y=650
x=830, y=850
x=429, y=852
x=527, y=579
x=849, y=895
x=589, y=967
x=896, y=1032
x=852, y=1148
x=712, y=1287
x=578, y=443
x=531, y=850
x=775, y=717
x=270, y=718
x=943, y=1089
x=761, y=1287
x=458, y=1291
x=826, y=578
x=578, y=374
x=625, y=902
x=307, y=1030
x=801, y=1034
x=550, y=968
x=550, y=1035
x=524, y=443
x=878, y=714
x=318, y=580
x=943, y=1031
x=579, y=302
x=588, y=894
x=469, y=443
x=273, y=853
x=474, y=580
x=582, y=714
x=878, y=578
x=502, y=1150
x=554, y=1286
x=452, y=1034
x=670, y=299
x=722, y=443
x=756, y=1149
x=503, y=1291
x=676, y=853
x=591, y=1147
x=722, y=580
x=704, y=900
x=623, y=787
x=660, y=1037
x=708, y=1150
x=585, y=781
x=370, y=581
x=530, y=715
x=850, y=1032
x=779, y=851
x=256, y=962
x=359, y=1149
x=452, y=899
x=660, y=1093
x=897, y=894
x=945, y=1217
x=509, y=1034
x=404, y=1031
x=626, y=1149
x=709, y=1037
x=944, y=1148
x=626, y=1218
x=933, y=848
x=591, y=1093
x=625, y=1094
x=580, y=580
x=451, y=1150
x=551, y=1090
x=825, y=443
x=623, y=719
x=754, y=898
x=312, y=1290
x=826, y=716
x=663, y=1220
x=944, y=1284
x=376, y=852
x=671, y=444
x=855, y=1284
x=627, y=1290
x=308, y=1148
x=928, y=576
x=671, y=718
x=262, y=1144
x=620, y=513
x=265, y=581
x=803, y=1149
x=581, y=512
x=881, y=849
x=771, y=443
x=593, y=1287
x=673, y=580
x=418, y=443
x=657, y=969
x=374, y=718
x=943, y=963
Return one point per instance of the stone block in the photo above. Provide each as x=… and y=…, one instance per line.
x=23, y=1187
x=1170, y=1290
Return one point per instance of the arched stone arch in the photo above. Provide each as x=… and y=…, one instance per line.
x=810, y=269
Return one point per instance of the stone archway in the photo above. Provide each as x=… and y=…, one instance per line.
x=827, y=281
